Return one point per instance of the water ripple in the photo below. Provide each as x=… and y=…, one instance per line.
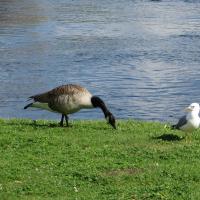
x=141, y=57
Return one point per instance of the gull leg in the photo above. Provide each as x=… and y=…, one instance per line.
x=187, y=138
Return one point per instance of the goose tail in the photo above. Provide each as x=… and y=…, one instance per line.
x=29, y=105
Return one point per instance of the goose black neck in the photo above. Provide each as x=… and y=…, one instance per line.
x=97, y=102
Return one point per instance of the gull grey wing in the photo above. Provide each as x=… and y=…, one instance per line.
x=182, y=121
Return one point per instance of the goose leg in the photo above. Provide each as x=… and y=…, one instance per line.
x=61, y=121
x=66, y=119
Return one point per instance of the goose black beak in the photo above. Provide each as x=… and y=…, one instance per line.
x=114, y=126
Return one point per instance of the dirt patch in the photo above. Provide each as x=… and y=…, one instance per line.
x=121, y=172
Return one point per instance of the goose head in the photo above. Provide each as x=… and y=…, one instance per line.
x=97, y=102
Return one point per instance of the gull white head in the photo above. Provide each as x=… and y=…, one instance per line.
x=194, y=107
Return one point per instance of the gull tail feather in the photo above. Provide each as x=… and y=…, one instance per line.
x=173, y=126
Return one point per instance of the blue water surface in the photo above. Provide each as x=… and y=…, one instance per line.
x=141, y=57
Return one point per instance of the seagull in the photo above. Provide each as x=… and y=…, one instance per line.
x=191, y=121
x=68, y=99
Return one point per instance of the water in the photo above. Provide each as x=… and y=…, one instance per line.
x=141, y=57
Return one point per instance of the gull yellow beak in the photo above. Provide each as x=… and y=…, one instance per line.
x=188, y=109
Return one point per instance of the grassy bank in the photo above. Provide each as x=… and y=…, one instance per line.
x=139, y=160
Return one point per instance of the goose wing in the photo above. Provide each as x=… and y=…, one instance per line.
x=61, y=98
x=69, y=89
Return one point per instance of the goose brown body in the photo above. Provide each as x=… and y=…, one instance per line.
x=65, y=99
x=68, y=99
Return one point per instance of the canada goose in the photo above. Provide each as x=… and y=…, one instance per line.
x=191, y=121
x=68, y=99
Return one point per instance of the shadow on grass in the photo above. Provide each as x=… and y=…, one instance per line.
x=169, y=137
x=120, y=172
x=40, y=124
x=34, y=123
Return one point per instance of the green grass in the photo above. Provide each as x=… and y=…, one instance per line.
x=90, y=160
